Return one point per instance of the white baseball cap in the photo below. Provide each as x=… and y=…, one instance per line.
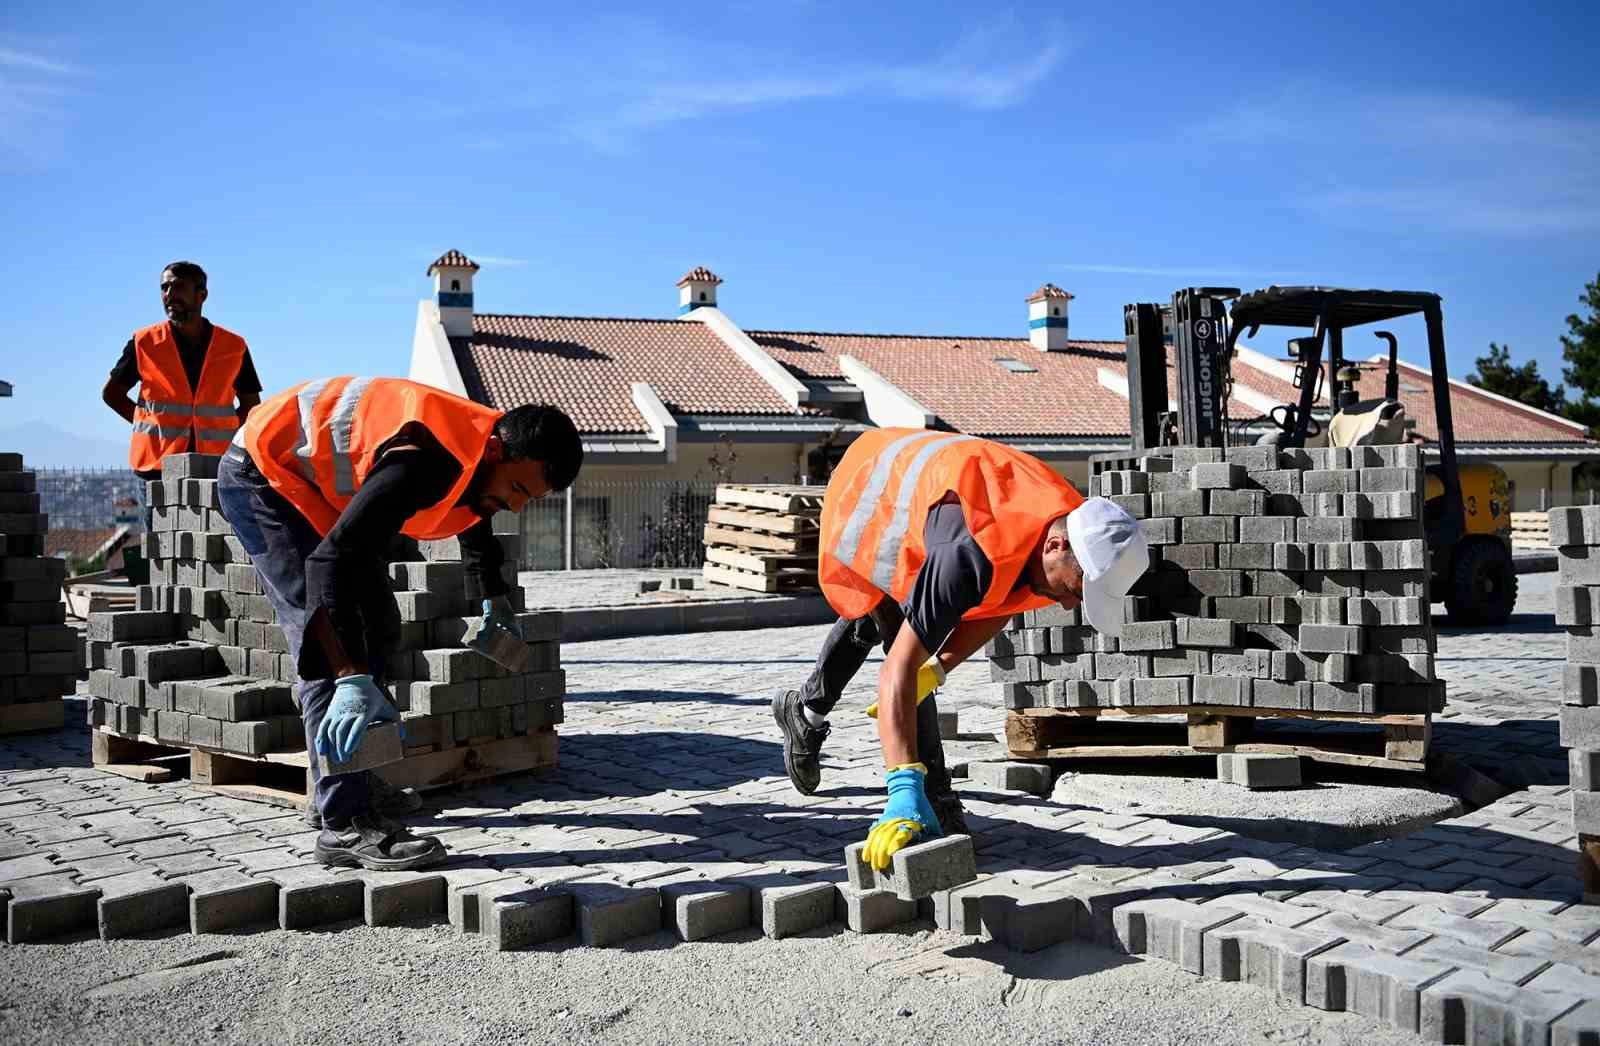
x=1112, y=551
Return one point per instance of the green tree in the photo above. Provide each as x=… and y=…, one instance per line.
x=1580, y=347
x=1495, y=374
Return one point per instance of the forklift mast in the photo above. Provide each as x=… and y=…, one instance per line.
x=1201, y=345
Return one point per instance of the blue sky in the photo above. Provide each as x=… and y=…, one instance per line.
x=915, y=168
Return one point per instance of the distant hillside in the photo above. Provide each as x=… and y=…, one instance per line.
x=43, y=445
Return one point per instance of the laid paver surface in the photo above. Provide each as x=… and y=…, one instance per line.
x=671, y=768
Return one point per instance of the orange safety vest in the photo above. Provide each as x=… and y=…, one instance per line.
x=316, y=443
x=168, y=409
x=878, y=501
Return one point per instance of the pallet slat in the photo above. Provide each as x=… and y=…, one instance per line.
x=779, y=582
x=759, y=563
x=779, y=498
x=804, y=544
x=771, y=523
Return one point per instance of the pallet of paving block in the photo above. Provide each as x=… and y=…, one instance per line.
x=763, y=520
x=787, y=498
x=32, y=715
x=784, y=580
x=1397, y=742
x=1530, y=529
x=279, y=778
x=759, y=562
x=760, y=541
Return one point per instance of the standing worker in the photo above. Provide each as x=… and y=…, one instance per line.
x=317, y=484
x=189, y=372
x=951, y=535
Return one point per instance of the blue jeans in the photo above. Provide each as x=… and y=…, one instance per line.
x=279, y=539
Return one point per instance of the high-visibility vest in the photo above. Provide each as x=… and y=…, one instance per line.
x=878, y=501
x=168, y=409
x=316, y=443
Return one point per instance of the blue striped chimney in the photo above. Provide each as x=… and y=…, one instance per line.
x=1047, y=318
x=452, y=284
x=697, y=289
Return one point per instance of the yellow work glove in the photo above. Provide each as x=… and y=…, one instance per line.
x=906, y=816
x=930, y=677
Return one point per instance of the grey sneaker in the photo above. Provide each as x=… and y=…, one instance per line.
x=377, y=844
x=386, y=800
x=802, y=742
x=952, y=818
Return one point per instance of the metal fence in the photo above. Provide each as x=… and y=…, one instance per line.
x=601, y=524
x=87, y=499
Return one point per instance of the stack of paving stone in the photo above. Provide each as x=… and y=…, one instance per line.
x=38, y=652
x=1575, y=532
x=203, y=663
x=1292, y=580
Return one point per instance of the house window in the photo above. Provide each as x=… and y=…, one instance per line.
x=1055, y=310
x=455, y=285
x=702, y=295
x=1015, y=366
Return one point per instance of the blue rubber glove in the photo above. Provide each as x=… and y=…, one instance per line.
x=907, y=816
x=357, y=704
x=497, y=613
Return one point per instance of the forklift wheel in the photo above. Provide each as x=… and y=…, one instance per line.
x=1483, y=585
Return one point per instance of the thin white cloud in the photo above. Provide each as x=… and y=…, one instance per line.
x=36, y=63
x=34, y=92
x=497, y=261
x=1476, y=165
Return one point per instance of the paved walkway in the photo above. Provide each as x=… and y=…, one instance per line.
x=671, y=771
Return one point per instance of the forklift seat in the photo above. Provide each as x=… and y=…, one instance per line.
x=1369, y=423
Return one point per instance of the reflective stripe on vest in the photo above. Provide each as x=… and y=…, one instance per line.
x=894, y=535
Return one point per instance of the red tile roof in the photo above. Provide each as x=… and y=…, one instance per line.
x=1049, y=290
x=699, y=274
x=587, y=365
x=78, y=543
x=453, y=260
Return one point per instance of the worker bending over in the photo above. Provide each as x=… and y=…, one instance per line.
x=950, y=535
x=317, y=485
x=189, y=372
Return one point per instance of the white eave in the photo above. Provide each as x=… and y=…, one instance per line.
x=786, y=385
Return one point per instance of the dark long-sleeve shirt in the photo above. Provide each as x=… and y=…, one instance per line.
x=953, y=579
x=346, y=574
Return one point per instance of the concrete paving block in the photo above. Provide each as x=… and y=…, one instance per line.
x=1575, y=605
x=1179, y=503
x=49, y=906
x=1241, y=503
x=140, y=902
x=1580, y=727
x=609, y=914
x=1577, y=1027
x=1586, y=813
x=924, y=869
x=1388, y=480
x=466, y=890
x=786, y=906
x=1577, y=565
x=869, y=911
x=1204, y=632
x=1269, y=956
x=225, y=900
x=958, y=911
x=1168, y=929
x=523, y=918
x=1035, y=778
x=1268, y=693
x=1583, y=768
x=1511, y=969
x=380, y=746
x=396, y=897
x=1027, y=918
x=1468, y=1007
x=1160, y=530
x=1215, y=475
x=1353, y=978
x=1318, y=530
x=311, y=896
x=697, y=910
x=1149, y=635
x=1161, y=692
x=1221, y=690
x=1259, y=771
x=1367, y=610
x=1331, y=639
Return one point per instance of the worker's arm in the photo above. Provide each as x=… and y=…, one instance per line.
x=968, y=638
x=482, y=559
x=897, y=699
x=247, y=386
x=248, y=401
x=124, y=376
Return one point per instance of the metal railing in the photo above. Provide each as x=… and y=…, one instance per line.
x=86, y=499
x=612, y=524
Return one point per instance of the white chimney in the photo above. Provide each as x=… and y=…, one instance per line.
x=452, y=284
x=1047, y=318
x=697, y=288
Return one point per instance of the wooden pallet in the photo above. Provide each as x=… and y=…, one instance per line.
x=1398, y=742
x=284, y=778
x=785, y=580
x=760, y=562
x=34, y=715
x=795, y=500
x=1530, y=529
x=759, y=541
x=762, y=520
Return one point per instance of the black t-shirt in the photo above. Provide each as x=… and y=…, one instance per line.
x=193, y=355
x=953, y=578
x=346, y=575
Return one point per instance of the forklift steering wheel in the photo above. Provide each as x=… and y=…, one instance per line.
x=1284, y=415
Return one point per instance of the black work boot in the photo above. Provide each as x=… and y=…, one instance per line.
x=952, y=818
x=376, y=844
x=386, y=800
x=802, y=742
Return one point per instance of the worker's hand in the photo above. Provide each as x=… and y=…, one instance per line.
x=357, y=704
x=930, y=677
x=907, y=817
x=497, y=613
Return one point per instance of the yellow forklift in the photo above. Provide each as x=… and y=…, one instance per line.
x=1467, y=509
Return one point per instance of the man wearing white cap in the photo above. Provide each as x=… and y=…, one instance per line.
x=950, y=535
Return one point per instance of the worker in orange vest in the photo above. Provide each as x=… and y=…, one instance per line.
x=317, y=484
x=950, y=535
x=189, y=372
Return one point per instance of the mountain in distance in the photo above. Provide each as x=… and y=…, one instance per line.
x=43, y=445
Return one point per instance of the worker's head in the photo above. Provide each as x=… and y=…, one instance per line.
x=1092, y=556
x=533, y=450
x=183, y=291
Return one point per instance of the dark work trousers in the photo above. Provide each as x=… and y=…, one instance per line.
x=844, y=652
x=279, y=539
